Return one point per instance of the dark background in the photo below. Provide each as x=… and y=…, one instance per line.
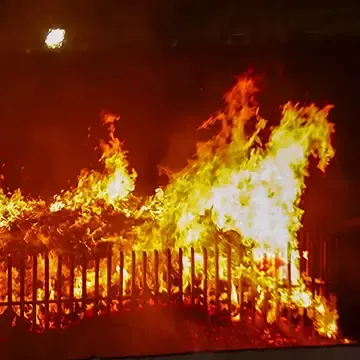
x=164, y=68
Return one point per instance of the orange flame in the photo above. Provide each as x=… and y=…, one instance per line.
x=238, y=190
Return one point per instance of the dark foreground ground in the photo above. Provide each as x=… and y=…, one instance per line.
x=144, y=333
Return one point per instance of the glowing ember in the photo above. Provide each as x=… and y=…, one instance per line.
x=241, y=191
x=55, y=38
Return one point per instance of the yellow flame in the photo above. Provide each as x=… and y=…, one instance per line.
x=242, y=189
x=94, y=189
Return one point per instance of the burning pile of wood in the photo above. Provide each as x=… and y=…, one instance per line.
x=222, y=235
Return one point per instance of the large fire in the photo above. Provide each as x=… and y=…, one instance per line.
x=240, y=193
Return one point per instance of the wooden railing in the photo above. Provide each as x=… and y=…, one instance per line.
x=158, y=285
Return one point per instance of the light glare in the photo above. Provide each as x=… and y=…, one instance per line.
x=55, y=38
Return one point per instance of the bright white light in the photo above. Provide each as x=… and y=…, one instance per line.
x=55, y=38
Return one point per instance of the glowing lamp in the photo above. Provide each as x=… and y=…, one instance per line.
x=55, y=38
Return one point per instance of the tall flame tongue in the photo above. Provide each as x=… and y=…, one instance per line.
x=240, y=190
x=111, y=188
x=241, y=185
x=243, y=192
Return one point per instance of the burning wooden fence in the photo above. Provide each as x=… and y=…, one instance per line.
x=47, y=295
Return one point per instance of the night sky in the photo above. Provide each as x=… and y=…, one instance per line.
x=108, y=23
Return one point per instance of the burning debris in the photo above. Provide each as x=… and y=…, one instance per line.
x=222, y=235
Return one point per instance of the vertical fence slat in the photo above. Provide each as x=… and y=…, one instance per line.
x=276, y=277
x=47, y=289
x=59, y=292
x=108, y=280
x=229, y=279
x=241, y=282
x=121, y=280
x=313, y=283
x=217, y=285
x=253, y=288
x=266, y=304
x=169, y=270
x=265, y=309
x=289, y=261
x=181, y=276
x=133, y=279
x=22, y=285
x=156, y=275
x=72, y=283
x=241, y=295
x=84, y=282
x=34, y=292
x=9, y=278
x=316, y=269
x=192, y=273
x=144, y=277
x=205, y=255
x=97, y=275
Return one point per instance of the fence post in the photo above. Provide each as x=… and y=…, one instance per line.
x=109, y=275
x=253, y=288
x=266, y=296
x=97, y=270
x=22, y=286
x=121, y=280
x=229, y=279
x=9, y=274
x=84, y=282
x=34, y=292
x=289, y=260
x=205, y=256
x=156, y=275
x=72, y=283
x=192, y=270
x=181, y=276
x=59, y=283
x=169, y=270
x=313, y=287
x=133, y=279
x=47, y=289
x=277, y=300
x=217, y=285
x=241, y=283
x=144, y=276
